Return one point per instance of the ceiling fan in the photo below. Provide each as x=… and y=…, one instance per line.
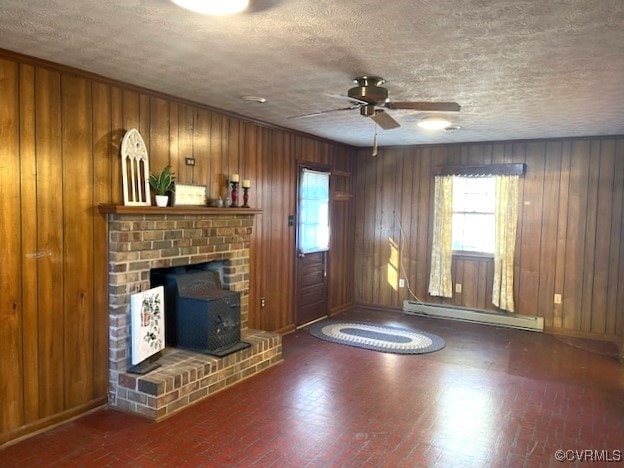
x=370, y=94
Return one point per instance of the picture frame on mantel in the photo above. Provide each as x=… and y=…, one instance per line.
x=190, y=195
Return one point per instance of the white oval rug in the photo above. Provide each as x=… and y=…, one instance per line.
x=377, y=337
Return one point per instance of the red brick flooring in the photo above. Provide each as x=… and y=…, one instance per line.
x=492, y=397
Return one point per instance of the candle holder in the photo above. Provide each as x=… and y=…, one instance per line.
x=245, y=197
x=234, y=195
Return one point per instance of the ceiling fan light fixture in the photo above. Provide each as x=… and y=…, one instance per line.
x=213, y=7
x=434, y=123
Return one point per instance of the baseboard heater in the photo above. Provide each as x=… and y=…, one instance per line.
x=487, y=317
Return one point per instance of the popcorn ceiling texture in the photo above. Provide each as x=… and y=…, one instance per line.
x=520, y=69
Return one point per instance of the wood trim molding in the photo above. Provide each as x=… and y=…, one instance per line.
x=480, y=170
x=41, y=425
x=175, y=210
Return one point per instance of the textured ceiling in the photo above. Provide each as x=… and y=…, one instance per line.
x=519, y=69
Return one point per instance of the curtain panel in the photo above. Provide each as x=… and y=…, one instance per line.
x=440, y=281
x=506, y=221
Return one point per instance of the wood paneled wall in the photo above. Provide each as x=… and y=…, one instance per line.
x=569, y=241
x=60, y=132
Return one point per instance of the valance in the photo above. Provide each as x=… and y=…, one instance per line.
x=483, y=170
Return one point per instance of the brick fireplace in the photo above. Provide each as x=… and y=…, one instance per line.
x=144, y=238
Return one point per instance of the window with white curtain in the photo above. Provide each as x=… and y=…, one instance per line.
x=474, y=201
x=313, y=211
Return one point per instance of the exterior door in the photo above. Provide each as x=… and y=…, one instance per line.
x=312, y=244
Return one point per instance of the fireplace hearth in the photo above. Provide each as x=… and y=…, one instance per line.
x=144, y=239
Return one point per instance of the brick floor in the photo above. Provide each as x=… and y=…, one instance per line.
x=492, y=397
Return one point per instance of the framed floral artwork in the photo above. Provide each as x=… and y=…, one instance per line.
x=147, y=313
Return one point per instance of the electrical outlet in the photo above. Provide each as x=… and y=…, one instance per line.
x=401, y=283
x=189, y=161
x=557, y=298
x=263, y=302
x=458, y=287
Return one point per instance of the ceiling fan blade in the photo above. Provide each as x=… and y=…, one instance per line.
x=347, y=98
x=312, y=114
x=384, y=120
x=425, y=106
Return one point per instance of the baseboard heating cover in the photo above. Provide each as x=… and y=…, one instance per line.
x=488, y=317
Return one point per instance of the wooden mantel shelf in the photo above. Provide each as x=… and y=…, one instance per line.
x=175, y=210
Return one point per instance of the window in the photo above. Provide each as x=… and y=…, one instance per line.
x=313, y=211
x=473, y=214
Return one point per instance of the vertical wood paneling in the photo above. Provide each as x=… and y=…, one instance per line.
x=405, y=187
x=61, y=135
x=145, y=121
x=28, y=198
x=50, y=242
x=575, y=242
x=217, y=172
x=424, y=215
x=77, y=196
x=457, y=272
x=158, y=133
x=130, y=113
x=482, y=286
x=287, y=234
x=518, y=153
x=117, y=132
x=619, y=325
x=598, y=282
x=175, y=160
x=276, y=300
x=530, y=228
x=570, y=229
x=359, y=228
x=201, y=150
x=368, y=219
x=11, y=412
x=617, y=228
x=562, y=231
x=104, y=153
x=184, y=173
x=387, y=279
x=590, y=236
x=548, y=245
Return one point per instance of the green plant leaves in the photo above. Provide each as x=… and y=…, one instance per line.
x=163, y=182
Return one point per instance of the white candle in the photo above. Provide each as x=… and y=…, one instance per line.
x=234, y=178
x=246, y=183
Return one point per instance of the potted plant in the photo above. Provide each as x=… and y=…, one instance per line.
x=162, y=184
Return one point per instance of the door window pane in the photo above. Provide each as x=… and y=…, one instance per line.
x=313, y=211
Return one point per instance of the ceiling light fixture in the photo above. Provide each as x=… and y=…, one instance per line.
x=434, y=123
x=213, y=7
x=256, y=99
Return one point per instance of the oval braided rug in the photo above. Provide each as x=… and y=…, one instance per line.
x=377, y=337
